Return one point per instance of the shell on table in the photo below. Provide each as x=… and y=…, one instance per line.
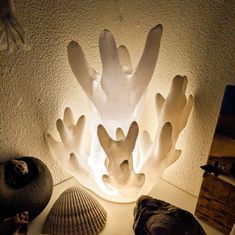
x=153, y=216
x=75, y=212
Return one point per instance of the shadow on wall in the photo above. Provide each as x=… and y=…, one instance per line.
x=35, y=83
x=38, y=84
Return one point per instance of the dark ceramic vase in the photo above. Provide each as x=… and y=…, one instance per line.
x=30, y=191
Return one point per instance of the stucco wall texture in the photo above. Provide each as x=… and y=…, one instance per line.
x=36, y=85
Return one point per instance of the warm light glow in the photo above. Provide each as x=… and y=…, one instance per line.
x=120, y=164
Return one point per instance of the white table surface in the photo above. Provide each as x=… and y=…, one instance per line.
x=120, y=216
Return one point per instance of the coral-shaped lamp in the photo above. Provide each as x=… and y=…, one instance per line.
x=120, y=164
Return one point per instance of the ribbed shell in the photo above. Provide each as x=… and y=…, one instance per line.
x=75, y=212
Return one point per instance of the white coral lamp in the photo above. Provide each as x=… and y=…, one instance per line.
x=120, y=165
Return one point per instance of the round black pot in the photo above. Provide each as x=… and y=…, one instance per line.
x=30, y=192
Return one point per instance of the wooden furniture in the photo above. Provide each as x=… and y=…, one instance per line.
x=216, y=203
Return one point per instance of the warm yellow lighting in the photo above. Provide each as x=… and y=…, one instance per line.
x=120, y=164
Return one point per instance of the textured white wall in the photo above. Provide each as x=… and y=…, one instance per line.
x=198, y=41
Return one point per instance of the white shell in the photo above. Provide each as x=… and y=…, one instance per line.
x=75, y=212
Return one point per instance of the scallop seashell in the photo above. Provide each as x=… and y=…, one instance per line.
x=75, y=212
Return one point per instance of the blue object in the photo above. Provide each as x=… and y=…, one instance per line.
x=228, y=103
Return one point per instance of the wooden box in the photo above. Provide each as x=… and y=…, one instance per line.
x=216, y=203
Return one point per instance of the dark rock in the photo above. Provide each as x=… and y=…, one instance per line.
x=24, y=187
x=156, y=217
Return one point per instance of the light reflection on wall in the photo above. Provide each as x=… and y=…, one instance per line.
x=111, y=168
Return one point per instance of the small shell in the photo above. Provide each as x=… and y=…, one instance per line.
x=75, y=212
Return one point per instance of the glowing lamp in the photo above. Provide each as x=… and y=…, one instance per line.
x=120, y=163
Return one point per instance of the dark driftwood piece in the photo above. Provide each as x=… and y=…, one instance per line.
x=17, y=225
x=156, y=217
